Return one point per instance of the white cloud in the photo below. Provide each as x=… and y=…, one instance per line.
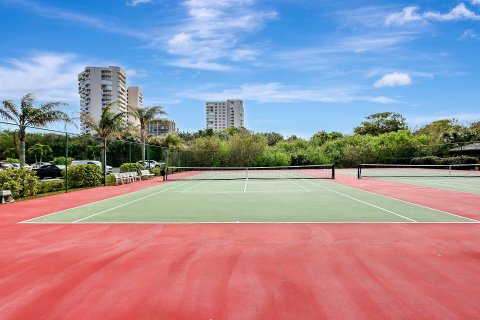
x=135, y=73
x=209, y=37
x=475, y=1
x=133, y=3
x=410, y=14
x=460, y=12
x=196, y=64
x=395, y=79
x=470, y=33
x=274, y=92
x=244, y=55
x=50, y=76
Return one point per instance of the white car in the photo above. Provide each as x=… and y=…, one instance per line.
x=37, y=165
x=98, y=163
x=149, y=164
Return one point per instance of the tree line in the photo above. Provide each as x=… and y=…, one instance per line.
x=381, y=138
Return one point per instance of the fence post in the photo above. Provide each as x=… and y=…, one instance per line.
x=66, y=161
x=104, y=165
x=166, y=150
x=130, y=152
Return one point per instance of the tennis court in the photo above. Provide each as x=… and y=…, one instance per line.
x=462, y=178
x=255, y=195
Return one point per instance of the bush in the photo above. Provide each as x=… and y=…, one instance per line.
x=12, y=160
x=131, y=167
x=459, y=160
x=110, y=180
x=61, y=161
x=84, y=175
x=50, y=186
x=426, y=160
x=158, y=171
x=444, y=161
x=269, y=158
x=19, y=181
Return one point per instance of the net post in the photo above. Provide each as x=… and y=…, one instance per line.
x=66, y=161
x=359, y=171
x=333, y=171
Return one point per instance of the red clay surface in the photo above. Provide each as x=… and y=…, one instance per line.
x=456, y=202
x=233, y=271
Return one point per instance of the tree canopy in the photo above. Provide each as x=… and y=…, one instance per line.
x=382, y=122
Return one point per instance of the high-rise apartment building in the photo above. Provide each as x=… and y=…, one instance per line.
x=221, y=115
x=161, y=127
x=134, y=99
x=98, y=86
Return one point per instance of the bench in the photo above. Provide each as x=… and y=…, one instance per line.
x=146, y=174
x=6, y=196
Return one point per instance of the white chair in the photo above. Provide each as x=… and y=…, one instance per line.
x=136, y=177
x=125, y=177
x=118, y=178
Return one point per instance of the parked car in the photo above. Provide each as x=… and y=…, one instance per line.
x=50, y=171
x=98, y=163
x=5, y=165
x=37, y=165
x=148, y=164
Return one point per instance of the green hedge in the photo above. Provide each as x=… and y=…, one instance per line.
x=444, y=161
x=158, y=171
x=19, y=181
x=61, y=161
x=131, y=167
x=50, y=186
x=84, y=175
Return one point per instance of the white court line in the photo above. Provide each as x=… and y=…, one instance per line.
x=437, y=183
x=257, y=191
x=308, y=190
x=246, y=182
x=291, y=175
x=411, y=203
x=195, y=185
x=91, y=203
x=122, y=205
x=365, y=202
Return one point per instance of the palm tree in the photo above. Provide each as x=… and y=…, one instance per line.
x=30, y=116
x=144, y=117
x=110, y=125
x=40, y=150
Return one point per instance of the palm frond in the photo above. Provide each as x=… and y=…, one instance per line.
x=27, y=102
x=9, y=111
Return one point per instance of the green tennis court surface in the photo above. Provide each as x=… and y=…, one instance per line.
x=462, y=178
x=249, y=200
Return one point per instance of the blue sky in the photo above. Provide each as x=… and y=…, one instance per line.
x=300, y=66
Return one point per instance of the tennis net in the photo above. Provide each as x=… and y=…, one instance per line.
x=234, y=173
x=394, y=170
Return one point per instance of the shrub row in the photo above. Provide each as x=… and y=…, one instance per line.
x=84, y=175
x=444, y=161
x=131, y=167
x=19, y=181
x=50, y=186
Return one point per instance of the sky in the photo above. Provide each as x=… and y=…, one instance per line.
x=301, y=66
